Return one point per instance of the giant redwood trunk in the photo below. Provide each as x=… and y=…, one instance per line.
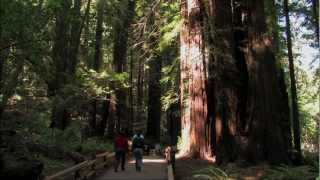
x=193, y=77
x=225, y=73
x=232, y=99
x=266, y=140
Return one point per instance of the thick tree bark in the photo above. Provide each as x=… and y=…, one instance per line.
x=225, y=79
x=154, y=102
x=119, y=57
x=293, y=88
x=266, y=140
x=193, y=77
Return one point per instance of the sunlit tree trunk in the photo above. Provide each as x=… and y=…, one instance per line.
x=293, y=88
x=193, y=77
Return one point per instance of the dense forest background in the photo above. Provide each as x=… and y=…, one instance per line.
x=217, y=79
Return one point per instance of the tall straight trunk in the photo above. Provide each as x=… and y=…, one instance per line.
x=75, y=36
x=273, y=28
x=154, y=102
x=266, y=139
x=225, y=93
x=97, y=61
x=140, y=82
x=112, y=114
x=105, y=114
x=131, y=101
x=315, y=14
x=119, y=58
x=193, y=77
x=60, y=51
x=99, y=30
x=293, y=88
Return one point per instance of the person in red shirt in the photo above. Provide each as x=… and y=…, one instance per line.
x=121, y=147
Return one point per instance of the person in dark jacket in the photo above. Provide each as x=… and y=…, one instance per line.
x=137, y=148
x=121, y=147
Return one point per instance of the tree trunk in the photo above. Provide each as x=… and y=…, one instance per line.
x=293, y=89
x=97, y=61
x=131, y=103
x=139, y=120
x=266, y=139
x=75, y=36
x=193, y=77
x=60, y=51
x=119, y=57
x=105, y=114
x=99, y=30
x=112, y=114
x=315, y=14
x=154, y=102
x=225, y=83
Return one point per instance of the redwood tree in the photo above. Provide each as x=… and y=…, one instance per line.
x=193, y=78
x=293, y=88
x=119, y=58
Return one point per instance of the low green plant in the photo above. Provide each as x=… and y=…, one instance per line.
x=284, y=172
x=212, y=173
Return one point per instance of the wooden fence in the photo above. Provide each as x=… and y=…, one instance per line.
x=84, y=170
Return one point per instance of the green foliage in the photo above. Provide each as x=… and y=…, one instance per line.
x=170, y=26
x=285, y=172
x=212, y=173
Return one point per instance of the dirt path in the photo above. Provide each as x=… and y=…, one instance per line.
x=154, y=168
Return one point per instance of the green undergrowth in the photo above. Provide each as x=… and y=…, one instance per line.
x=34, y=139
x=284, y=172
x=263, y=172
x=53, y=166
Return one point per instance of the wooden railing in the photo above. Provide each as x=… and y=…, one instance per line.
x=84, y=170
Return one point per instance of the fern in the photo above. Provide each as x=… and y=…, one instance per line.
x=212, y=173
x=285, y=172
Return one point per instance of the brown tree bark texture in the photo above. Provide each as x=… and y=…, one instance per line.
x=193, y=94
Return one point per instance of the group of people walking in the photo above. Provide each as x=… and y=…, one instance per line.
x=121, y=147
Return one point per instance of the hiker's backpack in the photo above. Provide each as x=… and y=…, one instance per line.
x=138, y=142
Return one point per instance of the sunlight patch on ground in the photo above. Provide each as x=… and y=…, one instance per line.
x=147, y=160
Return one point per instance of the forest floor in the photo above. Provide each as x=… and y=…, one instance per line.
x=187, y=168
